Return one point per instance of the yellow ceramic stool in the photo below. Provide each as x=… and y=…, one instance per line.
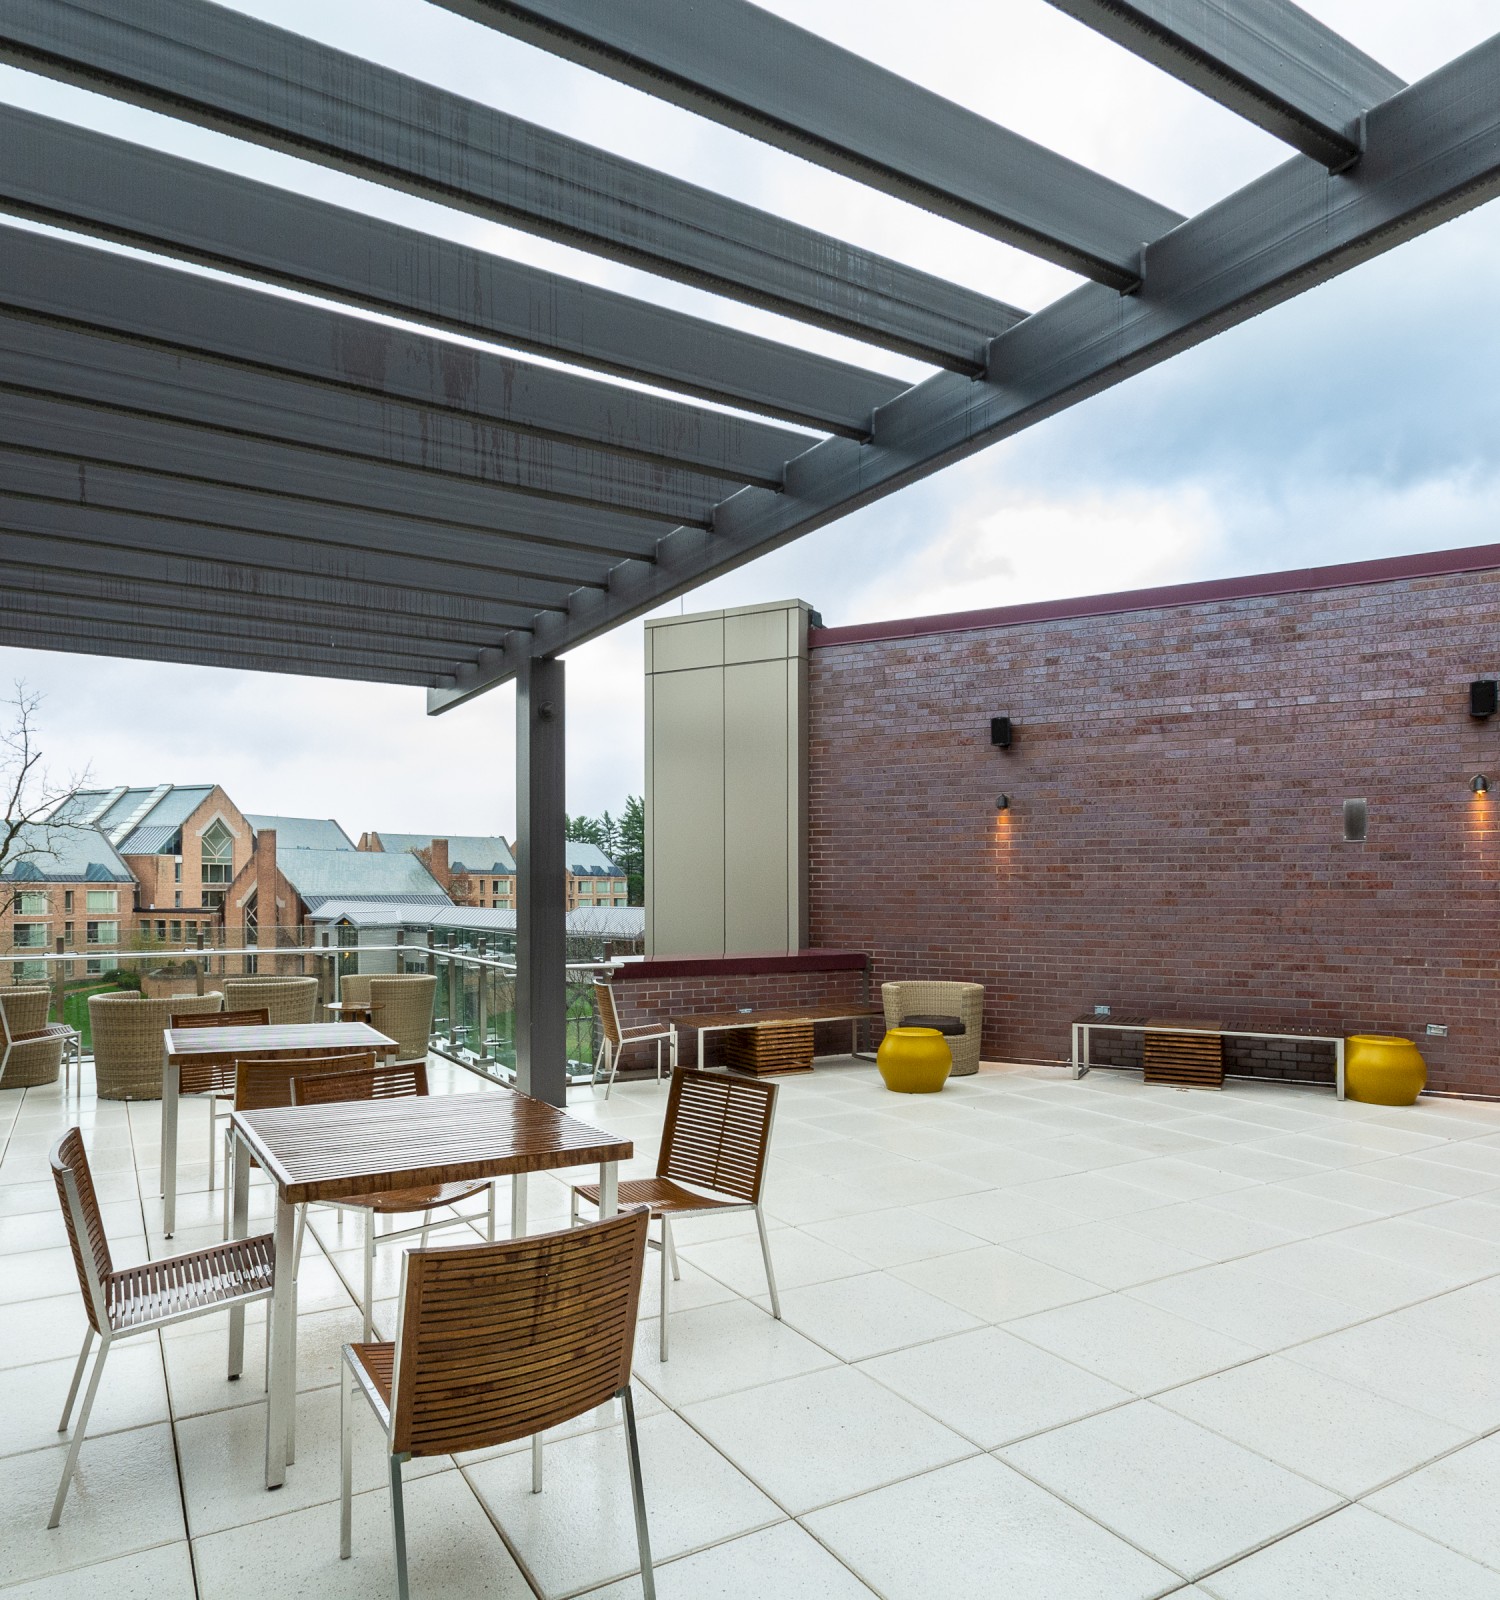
x=914, y=1060
x=1383, y=1070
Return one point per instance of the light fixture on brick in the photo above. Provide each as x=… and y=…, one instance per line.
x=1484, y=697
x=1479, y=783
x=1002, y=802
x=1000, y=732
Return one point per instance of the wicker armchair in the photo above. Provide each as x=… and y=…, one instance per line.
x=31, y=1048
x=962, y=1000
x=127, y=1033
x=288, y=1000
x=401, y=1008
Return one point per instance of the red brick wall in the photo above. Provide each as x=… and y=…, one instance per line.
x=659, y=1000
x=1174, y=841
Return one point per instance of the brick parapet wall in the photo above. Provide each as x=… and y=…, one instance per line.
x=658, y=1000
x=1174, y=842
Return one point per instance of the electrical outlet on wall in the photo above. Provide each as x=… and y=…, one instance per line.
x=1437, y=1030
x=1101, y=1011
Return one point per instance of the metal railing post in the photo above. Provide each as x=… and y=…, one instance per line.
x=483, y=1008
x=198, y=967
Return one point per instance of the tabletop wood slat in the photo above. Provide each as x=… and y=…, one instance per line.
x=287, y=1039
x=326, y=1152
x=754, y=1019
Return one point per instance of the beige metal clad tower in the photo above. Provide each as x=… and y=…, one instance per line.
x=726, y=781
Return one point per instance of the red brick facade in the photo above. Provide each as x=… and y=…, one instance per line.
x=1174, y=841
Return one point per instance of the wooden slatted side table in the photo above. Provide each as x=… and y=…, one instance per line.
x=771, y=1047
x=1185, y=1052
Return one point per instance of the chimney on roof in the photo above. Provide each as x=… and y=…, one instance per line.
x=265, y=881
x=437, y=863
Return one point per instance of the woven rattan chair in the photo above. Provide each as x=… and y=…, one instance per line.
x=127, y=1034
x=925, y=1004
x=264, y=1085
x=712, y=1159
x=288, y=1000
x=401, y=1008
x=498, y=1342
x=371, y=1082
x=616, y=1039
x=33, y=1050
x=132, y=1300
x=197, y=1077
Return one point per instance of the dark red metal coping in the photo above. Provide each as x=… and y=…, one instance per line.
x=1390, y=569
x=660, y=967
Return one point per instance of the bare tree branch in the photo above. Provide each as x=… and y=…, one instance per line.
x=32, y=797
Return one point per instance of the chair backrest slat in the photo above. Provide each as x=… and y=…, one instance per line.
x=717, y=1132
x=609, y=1018
x=222, y=1019
x=362, y=1083
x=260, y=1085
x=70, y=1169
x=500, y=1341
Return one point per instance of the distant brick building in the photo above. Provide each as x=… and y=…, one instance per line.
x=476, y=869
x=65, y=884
x=593, y=879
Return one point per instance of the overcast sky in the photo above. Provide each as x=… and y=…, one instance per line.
x=1359, y=420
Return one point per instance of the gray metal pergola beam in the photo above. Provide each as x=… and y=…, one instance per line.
x=1267, y=60
x=129, y=194
x=217, y=67
x=167, y=306
x=99, y=525
x=260, y=636
x=212, y=581
x=60, y=575
x=145, y=643
x=1431, y=153
x=41, y=475
x=752, y=71
x=318, y=470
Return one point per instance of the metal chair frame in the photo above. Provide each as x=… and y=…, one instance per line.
x=637, y=1191
x=109, y=1328
x=390, y=1414
x=612, y=1048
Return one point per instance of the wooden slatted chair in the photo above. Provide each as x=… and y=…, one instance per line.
x=122, y=1302
x=264, y=1085
x=498, y=1342
x=195, y=1077
x=616, y=1039
x=712, y=1159
x=372, y=1082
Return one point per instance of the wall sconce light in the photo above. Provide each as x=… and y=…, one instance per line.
x=1479, y=784
x=1002, y=802
x=1000, y=732
x=1484, y=697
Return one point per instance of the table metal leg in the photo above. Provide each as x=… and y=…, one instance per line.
x=283, y=1351
x=169, y=1077
x=609, y=1191
x=1338, y=1065
x=700, y=1049
x=238, y=1177
x=518, y=1206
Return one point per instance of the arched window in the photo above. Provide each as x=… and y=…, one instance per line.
x=218, y=863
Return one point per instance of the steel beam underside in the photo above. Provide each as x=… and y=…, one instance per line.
x=1432, y=152
x=219, y=68
x=130, y=194
x=750, y=70
x=1266, y=60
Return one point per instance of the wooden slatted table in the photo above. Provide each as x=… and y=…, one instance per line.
x=216, y=1047
x=328, y=1152
x=727, y=1021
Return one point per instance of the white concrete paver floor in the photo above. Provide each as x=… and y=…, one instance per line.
x=1043, y=1340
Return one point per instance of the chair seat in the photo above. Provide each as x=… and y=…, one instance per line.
x=662, y=1195
x=392, y=1202
x=53, y=1030
x=949, y=1027
x=159, y=1290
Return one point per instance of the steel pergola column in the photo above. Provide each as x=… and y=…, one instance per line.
x=541, y=883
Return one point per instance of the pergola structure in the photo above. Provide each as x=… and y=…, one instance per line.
x=196, y=470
